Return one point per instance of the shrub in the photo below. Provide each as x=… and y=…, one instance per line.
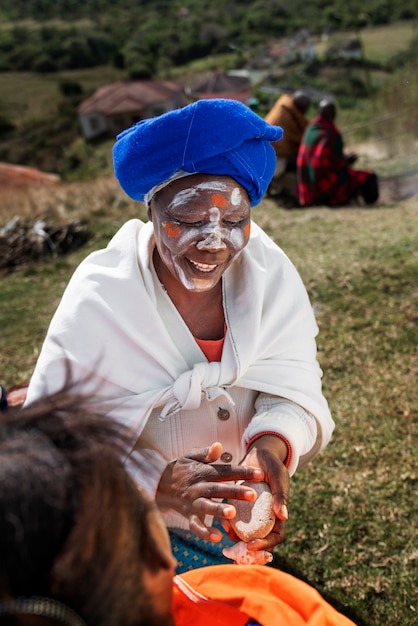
x=6, y=127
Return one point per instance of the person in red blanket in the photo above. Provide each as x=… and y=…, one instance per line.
x=324, y=172
x=88, y=547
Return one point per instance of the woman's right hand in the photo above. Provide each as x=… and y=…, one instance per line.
x=190, y=485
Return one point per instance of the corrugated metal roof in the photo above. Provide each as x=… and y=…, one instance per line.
x=129, y=96
x=220, y=83
x=241, y=96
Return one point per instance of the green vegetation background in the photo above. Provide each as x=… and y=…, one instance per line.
x=53, y=54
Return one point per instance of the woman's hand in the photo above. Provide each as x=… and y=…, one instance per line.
x=190, y=484
x=351, y=157
x=269, y=453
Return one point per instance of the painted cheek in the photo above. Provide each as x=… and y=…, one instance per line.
x=247, y=230
x=172, y=230
x=218, y=200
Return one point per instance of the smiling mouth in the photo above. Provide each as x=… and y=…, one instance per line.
x=203, y=267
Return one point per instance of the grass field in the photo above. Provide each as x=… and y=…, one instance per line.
x=352, y=526
x=27, y=96
x=380, y=43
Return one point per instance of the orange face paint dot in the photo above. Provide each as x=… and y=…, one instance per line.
x=247, y=229
x=172, y=229
x=218, y=200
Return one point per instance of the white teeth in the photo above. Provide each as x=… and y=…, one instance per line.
x=203, y=267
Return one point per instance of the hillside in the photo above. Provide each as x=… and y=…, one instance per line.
x=145, y=38
x=54, y=54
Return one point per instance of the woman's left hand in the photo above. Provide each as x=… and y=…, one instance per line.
x=269, y=453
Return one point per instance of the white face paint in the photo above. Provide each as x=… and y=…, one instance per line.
x=187, y=195
x=214, y=239
x=236, y=197
x=200, y=227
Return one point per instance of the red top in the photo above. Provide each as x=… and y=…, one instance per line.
x=211, y=348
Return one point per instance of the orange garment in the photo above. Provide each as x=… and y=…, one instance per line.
x=284, y=113
x=211, y=348
x=228, y=595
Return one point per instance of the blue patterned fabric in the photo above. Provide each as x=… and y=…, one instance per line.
x=192, y=552
x=219, y=136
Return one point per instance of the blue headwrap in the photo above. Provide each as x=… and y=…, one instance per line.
x=219, y=136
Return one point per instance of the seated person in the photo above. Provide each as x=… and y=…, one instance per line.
x=289, y=112
x=80, y=544
x=324, y=172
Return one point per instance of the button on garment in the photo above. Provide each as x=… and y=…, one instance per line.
x=223, y=414
x=182, y=431
x=226, y=457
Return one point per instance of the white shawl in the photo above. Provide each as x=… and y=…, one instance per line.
x=127, y=344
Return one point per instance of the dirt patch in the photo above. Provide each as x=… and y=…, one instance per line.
x=391, y=189
x=395, y=188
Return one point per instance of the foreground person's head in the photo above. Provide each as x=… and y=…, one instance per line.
x=199, y=170
x=201, y=224
x=74, y=529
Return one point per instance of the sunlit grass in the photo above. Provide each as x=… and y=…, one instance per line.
x=351, y=530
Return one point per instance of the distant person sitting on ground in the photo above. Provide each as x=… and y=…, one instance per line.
x=324, y=171
x=81, y=545
x=289, y=112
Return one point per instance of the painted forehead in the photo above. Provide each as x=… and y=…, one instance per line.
x=221, y=194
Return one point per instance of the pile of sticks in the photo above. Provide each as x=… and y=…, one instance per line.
x=22, y=244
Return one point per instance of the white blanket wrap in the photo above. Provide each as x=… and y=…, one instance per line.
x=127, y=343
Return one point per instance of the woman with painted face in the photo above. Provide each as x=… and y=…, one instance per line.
x=194, y=329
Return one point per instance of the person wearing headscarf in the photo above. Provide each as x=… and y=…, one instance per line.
x=195, y=330
x=324, y=172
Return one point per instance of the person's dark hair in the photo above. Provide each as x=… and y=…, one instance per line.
x=73, y=526
x=302, y=101
x=327, y=109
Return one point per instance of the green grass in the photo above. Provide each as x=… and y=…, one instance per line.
x=351, y=531
x=380, y=43
x=26, y=96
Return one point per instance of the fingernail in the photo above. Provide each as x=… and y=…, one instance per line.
x=251, y=495
x=283, y=512
x=229, y=512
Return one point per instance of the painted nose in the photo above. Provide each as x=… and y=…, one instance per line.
x=212, y=242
